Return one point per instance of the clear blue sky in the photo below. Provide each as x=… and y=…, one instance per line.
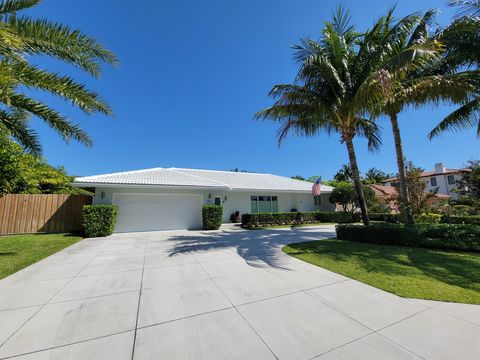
x=192, y=75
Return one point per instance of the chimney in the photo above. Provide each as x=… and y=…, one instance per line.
x=440, y=168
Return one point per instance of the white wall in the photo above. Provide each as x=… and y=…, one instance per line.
x=232, y=200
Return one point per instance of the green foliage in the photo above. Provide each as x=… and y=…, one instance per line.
x=296, y=218
x=455, y=219
x=436, y=236
x=99, y=220
x=212, y=217
x=345, y=195
x=23, y=38
x=298, y=177
x=469, y=185
x=375, y=176
x=344, y=174
x=386, y=217
x=428, y=218
x=28, y=174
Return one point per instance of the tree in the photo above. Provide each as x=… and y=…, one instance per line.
x=21, y=38
x=469, y=185
x=344, y=174
x=462, y=57
x=313, y=178
x=341, y=81
x=375, y=176
x=344, y=194
x=419, y=198
x=25, y=173
x=298, y=177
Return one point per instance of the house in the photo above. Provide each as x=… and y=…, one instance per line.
x=172, y=198
x=385, y=194
x=441, y=180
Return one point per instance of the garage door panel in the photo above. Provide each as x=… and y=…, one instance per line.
x=146, y=212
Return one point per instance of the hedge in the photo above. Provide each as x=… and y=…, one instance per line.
x=99, y=220
x=435, y=236
x=212, y=217
x=387, y=217
x=457, y=219
x=295, y=218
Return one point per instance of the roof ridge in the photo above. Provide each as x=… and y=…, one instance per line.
x=222, y=171
x=124, y=172
x=200, y=177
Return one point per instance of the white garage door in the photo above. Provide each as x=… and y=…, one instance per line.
x=148, y=212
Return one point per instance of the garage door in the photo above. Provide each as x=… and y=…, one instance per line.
x=147, y=212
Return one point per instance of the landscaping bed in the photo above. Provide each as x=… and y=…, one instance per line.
x=20, y=251
x=251, y=221
x=405, y=271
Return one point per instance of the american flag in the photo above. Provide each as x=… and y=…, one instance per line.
x=316, y=187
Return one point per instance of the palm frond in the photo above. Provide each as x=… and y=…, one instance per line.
x=15, y=123
x=12, y=6
x=467, y=116
x=466, y=7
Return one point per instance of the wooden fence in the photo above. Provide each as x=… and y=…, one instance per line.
x=42, y=213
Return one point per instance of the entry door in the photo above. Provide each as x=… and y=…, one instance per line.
x=151, y=212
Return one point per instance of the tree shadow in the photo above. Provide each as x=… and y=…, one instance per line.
x=258, y=248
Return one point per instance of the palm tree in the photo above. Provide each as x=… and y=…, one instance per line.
x=22, y=37
x=341, y=80
x=462, y=56
x=344, y=174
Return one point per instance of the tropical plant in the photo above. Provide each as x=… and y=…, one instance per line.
x=344, y=174
x=298, y=177
x=340, y=84
x=462, y=56
x=375, y=176
x=345, y=196
x=23, y=37
x=25, y=173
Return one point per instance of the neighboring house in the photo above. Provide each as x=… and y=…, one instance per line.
x=441, y=180
x=386, y=194
x=172, y=198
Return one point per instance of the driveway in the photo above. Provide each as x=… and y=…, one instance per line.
x=229, y=294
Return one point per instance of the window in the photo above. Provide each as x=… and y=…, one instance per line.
x=263, y=204
x=451, y=179
x=317, y=200
x=433, y=181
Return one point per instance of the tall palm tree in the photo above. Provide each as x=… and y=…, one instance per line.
x=21, y=38
x=341, y=81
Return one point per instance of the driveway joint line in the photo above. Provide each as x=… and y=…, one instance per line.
x=42, y=306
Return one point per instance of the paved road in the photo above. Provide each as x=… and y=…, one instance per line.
x=230, y=294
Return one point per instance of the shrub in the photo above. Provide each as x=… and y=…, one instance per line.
x=428, y=218
x=295, y=218
x=387, y=217
x=436, y=236
x=212, y=217
x=454, y=219
x=99, y=220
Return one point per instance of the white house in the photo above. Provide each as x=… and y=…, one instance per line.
x=441, y=180
x=171, y=198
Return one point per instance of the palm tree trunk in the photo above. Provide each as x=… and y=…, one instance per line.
x=356, y=180
x=402, y=175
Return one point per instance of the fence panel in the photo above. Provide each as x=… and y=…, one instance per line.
x=41, y=213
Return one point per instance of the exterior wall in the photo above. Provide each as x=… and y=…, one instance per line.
x=442, y=184
x=231, y=200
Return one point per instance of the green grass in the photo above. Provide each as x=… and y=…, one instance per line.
x=405, y=271
x=19, y=251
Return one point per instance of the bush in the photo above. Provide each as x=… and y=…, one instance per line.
x=428, y=218
x=387, y=217
x=435, y=236
x=99, y=220
x=295, y=218
x=212, y=217
x=455, y=219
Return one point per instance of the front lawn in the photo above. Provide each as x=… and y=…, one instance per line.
x=19, y=251
x=405, y=271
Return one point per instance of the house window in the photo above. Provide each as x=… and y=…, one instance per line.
x=317, y=200
x=451, y=179
x=433, y=181
x=263, y=204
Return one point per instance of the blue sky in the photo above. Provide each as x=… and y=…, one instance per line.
x=192, y=75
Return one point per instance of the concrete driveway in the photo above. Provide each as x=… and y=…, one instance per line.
x=229, y=294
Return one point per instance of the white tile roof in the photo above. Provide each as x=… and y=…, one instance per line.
x=199, y=178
